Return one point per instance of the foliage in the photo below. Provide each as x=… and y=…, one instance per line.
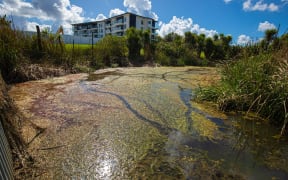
x=134, y=43
x=191, y=48
x=256, y=83
x=149, y=48
x=111, y=50
x=10, y=48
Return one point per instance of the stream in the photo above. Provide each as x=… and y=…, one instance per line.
x=142, y=123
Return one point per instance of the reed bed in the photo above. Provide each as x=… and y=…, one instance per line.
x=257, y=83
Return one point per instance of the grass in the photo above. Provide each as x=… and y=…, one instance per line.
x=258, y=83
x=78, y=46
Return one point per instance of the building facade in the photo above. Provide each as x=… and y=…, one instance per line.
x=115, y=26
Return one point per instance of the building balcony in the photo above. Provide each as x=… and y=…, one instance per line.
x=114, y=30
x=116, y=23
x=118, y=34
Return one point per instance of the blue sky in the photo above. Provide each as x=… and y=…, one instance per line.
x=245, y=20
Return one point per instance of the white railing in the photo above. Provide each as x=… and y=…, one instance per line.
x=6, y=166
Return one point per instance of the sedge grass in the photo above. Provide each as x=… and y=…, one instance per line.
x=258, y=84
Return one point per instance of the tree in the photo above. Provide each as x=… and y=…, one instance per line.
x=147, y=45
x=190, y=40
x=209, y=48
x=134, y=43
x=201, y=44
x=110, y=50
x=270, y=35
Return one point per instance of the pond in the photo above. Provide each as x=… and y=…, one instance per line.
x=142, y=123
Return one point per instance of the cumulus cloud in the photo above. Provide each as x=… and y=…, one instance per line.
x=181, y=25
x=265, y=26
x=140, y=7
x=100, y=17
x=259, y=6
x=244, y=39
x=60, y=12
x=115, y=12
x=31, y=26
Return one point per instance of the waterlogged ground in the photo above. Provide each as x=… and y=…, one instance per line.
x=140, y=123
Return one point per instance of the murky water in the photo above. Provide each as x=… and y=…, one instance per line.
x=140, y=123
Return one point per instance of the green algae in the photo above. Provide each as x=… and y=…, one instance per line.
x=137, y=123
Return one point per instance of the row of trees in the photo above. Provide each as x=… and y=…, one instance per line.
x=271, y=42
x=192, y=49
x=173, y=49
x=136, y=47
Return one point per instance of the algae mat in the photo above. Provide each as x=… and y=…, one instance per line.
x=130, y=123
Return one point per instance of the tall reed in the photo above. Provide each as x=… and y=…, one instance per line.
x=258, y=83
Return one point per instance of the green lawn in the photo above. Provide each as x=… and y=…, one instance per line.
x=78, y=46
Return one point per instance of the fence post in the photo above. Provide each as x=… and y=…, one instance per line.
x=39, y=38
x=92, y=45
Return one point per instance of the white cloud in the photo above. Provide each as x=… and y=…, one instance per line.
x=141, y=7
x=100, y=17
x=259, y=6
x=59, y=12
x=227, y=1
x=244, y=39
x=115, y=12
x=31, y=26
x=181, y=25
x=265, y=26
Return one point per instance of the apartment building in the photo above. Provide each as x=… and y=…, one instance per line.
x=115, y=26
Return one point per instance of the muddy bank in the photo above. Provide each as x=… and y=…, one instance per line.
x=29, y=72
x=13, y=123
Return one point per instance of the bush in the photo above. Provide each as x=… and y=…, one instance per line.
x=162, y=59
x=111, y=50
x=258, y=84
x=10, y=49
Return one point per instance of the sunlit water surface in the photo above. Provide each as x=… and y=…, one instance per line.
x=140, y=123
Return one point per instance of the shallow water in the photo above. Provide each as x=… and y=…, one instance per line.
x=140, y=123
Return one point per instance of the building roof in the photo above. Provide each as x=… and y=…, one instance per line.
x=114, y=17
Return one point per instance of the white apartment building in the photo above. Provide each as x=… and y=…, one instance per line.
x=116, y=26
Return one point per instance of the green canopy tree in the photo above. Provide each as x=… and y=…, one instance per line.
x=190, y=40
x=209, y=48
x=111, y=50
x=147, y=45
x=134, y=43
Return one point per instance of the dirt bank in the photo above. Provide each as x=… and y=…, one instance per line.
x=28, y=72
x=13, y=122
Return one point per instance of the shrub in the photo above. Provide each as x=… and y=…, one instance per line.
x=10, y=49
x=258, y=84
x=111, y=50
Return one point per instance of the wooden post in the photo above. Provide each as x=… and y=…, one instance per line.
x=92, y=45
x=39, y=38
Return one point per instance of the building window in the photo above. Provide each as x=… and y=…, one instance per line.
x=142, y=22
x=149, y=22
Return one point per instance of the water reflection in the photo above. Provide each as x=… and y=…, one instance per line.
x=142, y=124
